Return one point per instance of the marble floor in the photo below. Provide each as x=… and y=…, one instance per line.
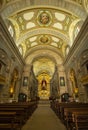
x=43, y=118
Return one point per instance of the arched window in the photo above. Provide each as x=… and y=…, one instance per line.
x=67, y=50
x=11, y=30
x=20, y=50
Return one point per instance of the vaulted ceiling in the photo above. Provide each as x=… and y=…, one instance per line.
x=44, y=25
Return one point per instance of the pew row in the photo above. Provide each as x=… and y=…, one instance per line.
x=65, y=112
x=21, y=113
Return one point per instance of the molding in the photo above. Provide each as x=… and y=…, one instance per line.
x=44, y=31
x=79, y=43
x=10, y=43
x=44, y=48
x=15, y=6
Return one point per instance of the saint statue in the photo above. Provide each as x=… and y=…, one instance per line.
x=44, y=84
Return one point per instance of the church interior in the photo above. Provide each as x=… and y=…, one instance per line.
x=44, y=58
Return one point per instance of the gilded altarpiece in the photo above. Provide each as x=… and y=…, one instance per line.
x=44, y=86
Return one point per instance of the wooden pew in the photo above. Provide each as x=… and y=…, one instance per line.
x=80, y=119
x=68, y=116
x=64, y=111
x=7, y=121
x=20, y=114
x=70, y=105
x=22, y=110
x=29, y=107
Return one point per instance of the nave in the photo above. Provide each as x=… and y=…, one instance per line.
x=43, y=118
x=43, y=56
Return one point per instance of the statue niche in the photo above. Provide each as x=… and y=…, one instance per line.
x=44, y=84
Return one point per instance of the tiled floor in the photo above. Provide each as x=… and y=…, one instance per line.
x=43, y=119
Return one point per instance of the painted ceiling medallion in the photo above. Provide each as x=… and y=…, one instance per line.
x=44, y=39
x=44, y=18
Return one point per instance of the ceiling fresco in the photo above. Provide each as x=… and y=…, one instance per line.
x=35, y=24
x=32, y=27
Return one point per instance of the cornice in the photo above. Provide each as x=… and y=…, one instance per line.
x=48, y=53
x=20, y=5
x=9, y=41
x=78, y=43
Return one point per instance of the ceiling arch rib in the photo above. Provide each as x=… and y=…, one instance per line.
x=43, y=65
x=49, y=53
x=69, y=5
x=85, y=3
x=57, y=23
x=44, y=56
x=43, y=50
x=72, y=29
x=47, y=31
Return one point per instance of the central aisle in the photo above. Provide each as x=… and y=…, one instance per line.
x=43, y=119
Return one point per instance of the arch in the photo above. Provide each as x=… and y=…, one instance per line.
x=41, y=49
x=43, y=31
x=77, y=28
x=40, y=53
x=44, y=65
x=44, y=56
x=65, y=5
x=54, y=57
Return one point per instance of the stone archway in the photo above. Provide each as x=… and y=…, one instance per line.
x=42, y=60
x=43, y=68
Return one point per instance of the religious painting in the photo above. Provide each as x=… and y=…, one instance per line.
x=44, y=18
x=44, y=39
x=62, y=81
x=25, y=81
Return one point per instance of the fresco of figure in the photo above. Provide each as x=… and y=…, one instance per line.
x=44, y=18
